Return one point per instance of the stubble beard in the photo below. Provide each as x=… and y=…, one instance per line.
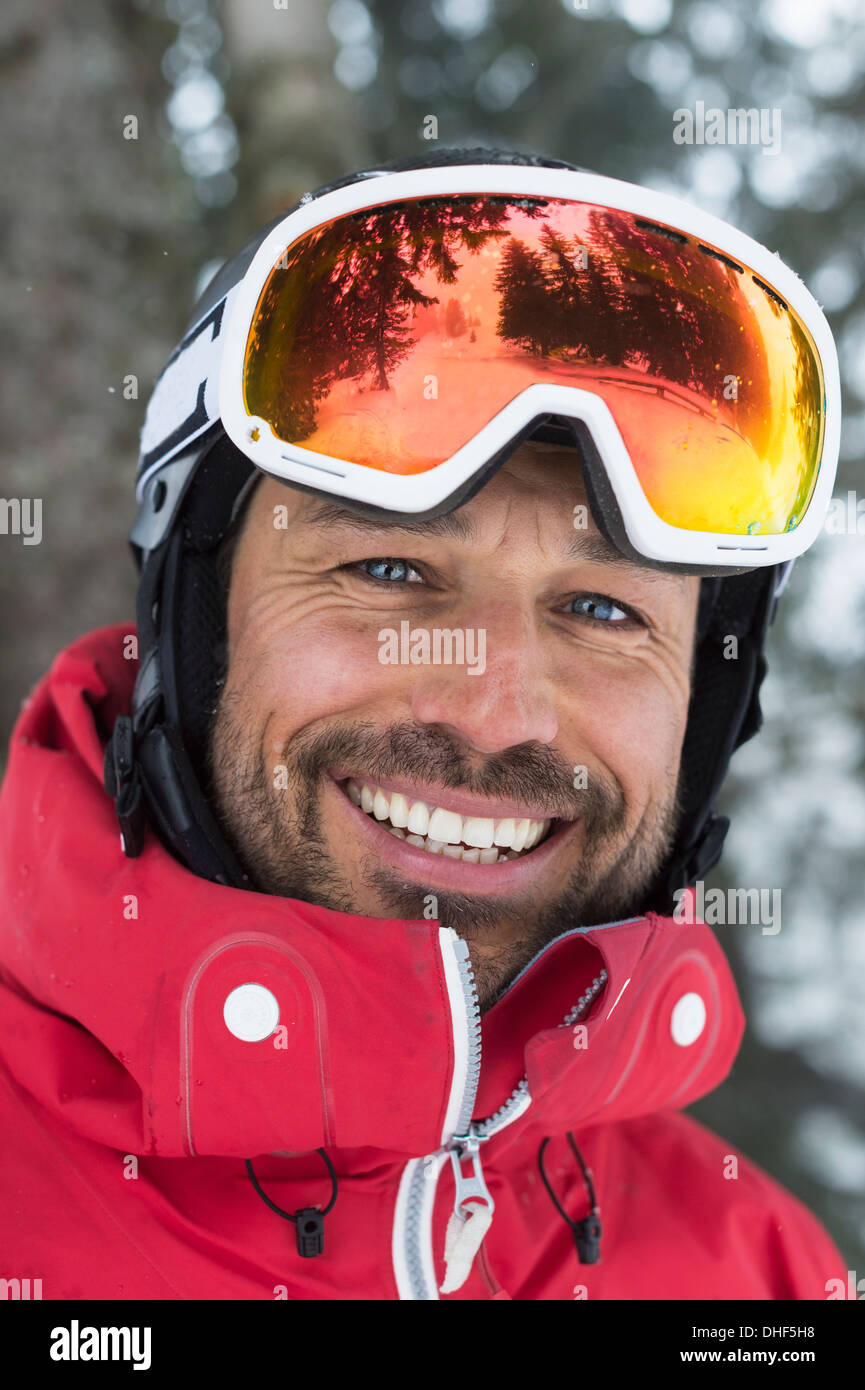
x=275, y=832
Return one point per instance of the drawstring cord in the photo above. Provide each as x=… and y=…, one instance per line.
x=308, y=1221
x=586, y=1233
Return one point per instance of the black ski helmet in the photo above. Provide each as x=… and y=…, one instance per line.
x=156, y=758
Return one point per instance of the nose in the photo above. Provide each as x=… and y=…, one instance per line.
x=508, y=702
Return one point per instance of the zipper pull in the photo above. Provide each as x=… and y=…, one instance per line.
x=472, y=1215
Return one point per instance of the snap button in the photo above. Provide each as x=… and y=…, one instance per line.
x=688, y=1019
x=251, y=1013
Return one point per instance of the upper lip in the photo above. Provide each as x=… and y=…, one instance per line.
x=459, y=802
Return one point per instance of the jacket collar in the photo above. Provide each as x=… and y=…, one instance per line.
x=129, y=985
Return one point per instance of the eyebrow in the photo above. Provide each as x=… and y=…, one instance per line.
x=452, y=526
x=593, y=549
x=597, y=550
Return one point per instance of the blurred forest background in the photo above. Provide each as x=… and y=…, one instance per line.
x=243, y=105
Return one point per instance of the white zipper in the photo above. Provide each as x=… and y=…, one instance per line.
x=462, y=1137
x=412, y=1231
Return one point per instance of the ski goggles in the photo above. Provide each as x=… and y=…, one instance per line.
x=390, y=342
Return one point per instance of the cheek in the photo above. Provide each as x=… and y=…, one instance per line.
x=303, y=671
x=632, y=722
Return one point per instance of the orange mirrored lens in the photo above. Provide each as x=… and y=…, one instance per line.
x=389, y=337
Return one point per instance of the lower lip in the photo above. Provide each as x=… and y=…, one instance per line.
x=440, y=869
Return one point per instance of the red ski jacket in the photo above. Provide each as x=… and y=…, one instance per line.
x=156, y=1030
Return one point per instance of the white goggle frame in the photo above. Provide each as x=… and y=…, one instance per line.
x=203, y=382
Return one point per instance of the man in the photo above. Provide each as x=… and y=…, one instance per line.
x=451, y=518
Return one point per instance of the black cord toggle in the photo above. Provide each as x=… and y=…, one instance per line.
x=309, y=1232
x=308, y=1222
x=587, y=1232
x=587, y=1237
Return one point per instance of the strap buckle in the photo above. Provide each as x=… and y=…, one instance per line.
x=123, y=784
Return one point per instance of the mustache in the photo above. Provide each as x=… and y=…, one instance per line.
x=531, y=772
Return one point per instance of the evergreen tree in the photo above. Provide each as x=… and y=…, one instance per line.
x=525, y=308
x=455, y=319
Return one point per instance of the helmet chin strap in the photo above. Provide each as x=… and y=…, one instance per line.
x=156, y=759
x=724, y=712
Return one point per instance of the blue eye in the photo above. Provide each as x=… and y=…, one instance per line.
x=598, y=609
x=390, y=570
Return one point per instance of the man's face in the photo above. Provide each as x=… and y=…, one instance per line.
x=563, y=705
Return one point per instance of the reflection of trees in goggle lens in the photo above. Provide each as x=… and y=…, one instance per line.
x=580, y=286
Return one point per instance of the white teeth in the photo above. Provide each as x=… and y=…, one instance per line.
x=419, y=818
x=478, y=830
x=446, y=825
x=504, y=833
x=471, y=856
x=542, y=830
x=521, y=834
x=474, y=839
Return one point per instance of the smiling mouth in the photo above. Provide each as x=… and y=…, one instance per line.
x=473, y=839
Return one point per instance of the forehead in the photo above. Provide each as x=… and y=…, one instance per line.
x=542, y=484
x=537, y=497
